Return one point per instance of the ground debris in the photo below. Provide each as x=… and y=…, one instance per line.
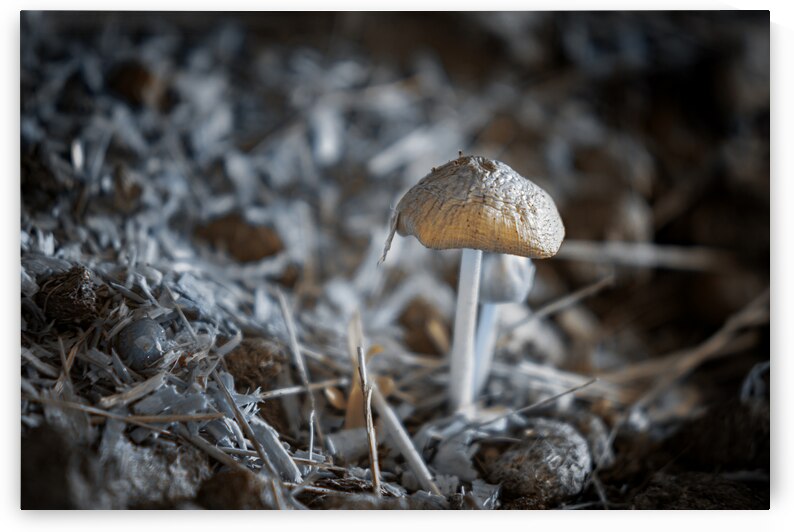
x=548, y=467
x=69, y=297
x=698, y=491
x=233, y=490
x=242, y=240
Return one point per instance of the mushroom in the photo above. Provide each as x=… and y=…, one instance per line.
x=504, y=279
x=476, y=204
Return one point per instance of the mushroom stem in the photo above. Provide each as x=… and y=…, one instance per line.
x=461, y=386
x=484, y=344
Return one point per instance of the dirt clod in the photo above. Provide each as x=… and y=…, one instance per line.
x=233, y=490
x=242, y=240
x=549, y=467
x=699, y=491
x=257, y=363
x=417, y=319
x=69, y=297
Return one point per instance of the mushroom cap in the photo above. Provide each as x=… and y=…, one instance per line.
x=474, y=202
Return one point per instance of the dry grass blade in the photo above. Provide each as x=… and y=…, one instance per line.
x=565, y=302
x=645, y=255
x=249, y=433
x=136, y=392
x=403, y=442
x=354, y=413
x=314, y=422
x=313, y=463
x=524, y=409
x=178, y=308
x=41, y=366
x=754, y=314
x=554, y=379
x=652, y=368
x=367, y=406
x=211, y=450
x=293, y=390
x=134, y=420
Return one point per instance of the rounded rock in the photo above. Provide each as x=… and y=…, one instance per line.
x=141, y=343
x=549, y=467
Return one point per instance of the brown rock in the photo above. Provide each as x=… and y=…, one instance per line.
x=243, y=241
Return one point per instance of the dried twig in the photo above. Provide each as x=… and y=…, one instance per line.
x=41, y=366
x=136, y=392
x=686, y=360
x=292, y=390
x=249, y=433
x=178, y=308
x=645, y=255
x=554, y=379
x=301, y=365
x=523, y=410
x=403, y=442
x=652, y=368
x=213, y=451
x=142, y=421
x=564, y=302
x=373, y=444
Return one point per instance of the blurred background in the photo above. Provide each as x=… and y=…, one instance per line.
x=237, y=154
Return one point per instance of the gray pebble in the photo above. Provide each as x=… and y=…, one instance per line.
x=141, y=344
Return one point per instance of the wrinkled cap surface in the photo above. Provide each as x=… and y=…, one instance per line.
x=474, y=202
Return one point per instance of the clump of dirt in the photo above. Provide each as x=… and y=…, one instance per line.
x=425, y=327
x=730, y=436
x=69, y=297
x=243, y=241
x=699, y=491
x=549, y=467
x=366, y=501
x=46, y=461
x=59, y=472
x=233, y=490
x=256, y=364
x=136, y=83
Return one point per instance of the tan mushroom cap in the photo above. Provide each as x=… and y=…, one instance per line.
x=474, y=202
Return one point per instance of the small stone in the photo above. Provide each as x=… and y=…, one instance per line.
x=141, y=344
x=549, y=467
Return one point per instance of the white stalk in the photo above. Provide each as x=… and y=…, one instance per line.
x=484, y=345
x=461, y=385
